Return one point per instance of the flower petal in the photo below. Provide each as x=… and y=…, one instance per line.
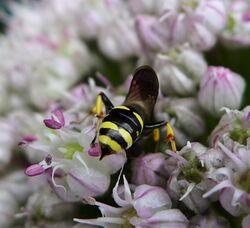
x=51, y=123
x=58, y=115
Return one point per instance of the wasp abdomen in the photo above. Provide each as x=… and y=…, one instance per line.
x=119, y=129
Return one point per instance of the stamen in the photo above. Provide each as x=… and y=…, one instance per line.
x=121, y=202
x=232, y=156
x=189, y=189
x=79, y=158
x=53, y=177
x=218, y=187
x=236, y=197
x=127, y=193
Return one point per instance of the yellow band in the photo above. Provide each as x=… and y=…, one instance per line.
x=110, y=125
x=104, y=139
x=138, y=117
x=125, y=134
x=121, y=107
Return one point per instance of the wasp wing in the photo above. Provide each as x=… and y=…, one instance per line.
x=143, y=91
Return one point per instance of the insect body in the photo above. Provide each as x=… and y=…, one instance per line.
x=119, y=129
x=123, y=125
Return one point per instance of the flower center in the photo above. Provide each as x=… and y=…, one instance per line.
x=241, y=131
x=127, y=215
x=190, y=4
x=70, y=149
x=230, y=23
x=244, y=181
x=193, y=171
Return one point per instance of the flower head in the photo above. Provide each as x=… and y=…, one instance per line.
x=220, y=88
x=149, y=169
x=210, y=219
x=186, y=115
x=180, y=70
x=147, y=206
x=190, y=180
x=71, y=169
x=232, y=128
x=236, y=33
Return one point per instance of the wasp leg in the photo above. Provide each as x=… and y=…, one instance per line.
x=169, y=135
x=108, y=104
x=155, y=125
x=156, y=138
x=93, y=141
x=101, y=100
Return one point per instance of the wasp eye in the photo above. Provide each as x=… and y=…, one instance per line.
x=106, y=150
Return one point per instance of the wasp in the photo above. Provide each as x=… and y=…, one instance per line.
x=124, y=125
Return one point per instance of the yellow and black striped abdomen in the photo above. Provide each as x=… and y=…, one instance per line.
x=119, y=129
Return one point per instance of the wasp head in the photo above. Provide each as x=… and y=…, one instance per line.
x=105, y=150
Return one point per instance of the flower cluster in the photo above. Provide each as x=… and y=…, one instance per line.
x=51, y=171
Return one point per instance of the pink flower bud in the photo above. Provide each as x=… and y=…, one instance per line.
x=200, y=37
x=150, y=199
x=111, y=44
x=180, y=71
x=213, y=14
x=149, y=169
x=34, y=170
x=220, y=88
x=151, y=33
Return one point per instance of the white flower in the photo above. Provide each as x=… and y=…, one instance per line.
x=8, y=208
x=180, y=70
x=44, y=208
x=186, y=117
x=220, y=88
x=149, y=206
x=236, y=34
x=195, y=22
x=75, y=174
x=16, y=183
x=113, y=45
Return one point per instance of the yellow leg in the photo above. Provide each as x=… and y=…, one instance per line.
x=97, y=110
x=171, y=137
x=156, y=138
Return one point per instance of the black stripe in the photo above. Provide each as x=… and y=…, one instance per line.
x=127, y=116
x=114, y=135
x=124, y=123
